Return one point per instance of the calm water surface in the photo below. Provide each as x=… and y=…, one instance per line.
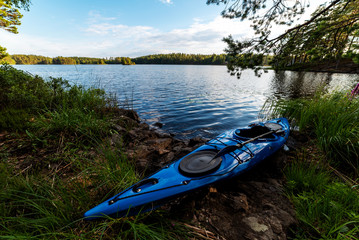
x=193, y=100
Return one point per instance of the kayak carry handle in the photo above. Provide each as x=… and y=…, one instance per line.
x=136, y=187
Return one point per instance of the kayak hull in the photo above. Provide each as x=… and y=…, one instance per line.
x=170, y=182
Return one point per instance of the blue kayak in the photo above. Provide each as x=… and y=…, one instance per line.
x=226, y=156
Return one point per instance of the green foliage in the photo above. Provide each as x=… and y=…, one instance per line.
x=63, y=60
x=246, y=60
x=10, y=19
x=7, y=60
x=53, y=109
x=181, y=58
x=173, y=58
x=331, y=119
x=31, y=59
x=3, y=53
x=119, y=60
x=20, y=90
x=330, y=32
x=326, y=209
x=84, y=126
x=25, y=4
x=12, y=118
x=331, y=36
x=34, y=59
x=9, y=16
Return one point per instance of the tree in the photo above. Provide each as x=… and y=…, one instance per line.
x=329, y=19
x=331, y=37
x=10, y=17
x=3, y=53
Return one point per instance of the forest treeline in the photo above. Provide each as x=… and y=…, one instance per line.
x=182, y=58
x=34, y=59
x=172, y=58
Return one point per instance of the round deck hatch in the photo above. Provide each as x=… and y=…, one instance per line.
x=199, y=163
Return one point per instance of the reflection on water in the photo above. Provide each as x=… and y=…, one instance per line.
x=194, y=100
x=288, y=84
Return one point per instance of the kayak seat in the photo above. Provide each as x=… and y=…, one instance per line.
x=254, y=132
x=199, y=163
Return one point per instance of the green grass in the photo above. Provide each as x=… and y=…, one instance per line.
x=326, y=208
x=51, y=206
x=82, y=125
x=37, y=206
x=332, y=120
x=57, y=163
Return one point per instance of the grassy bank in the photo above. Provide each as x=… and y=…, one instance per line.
x=56, y=162
x=322, y=179
x=331, y=120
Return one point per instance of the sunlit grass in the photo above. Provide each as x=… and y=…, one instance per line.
x=331, y=119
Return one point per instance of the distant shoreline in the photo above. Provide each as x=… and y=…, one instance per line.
x=342, y=66
x=173, y=58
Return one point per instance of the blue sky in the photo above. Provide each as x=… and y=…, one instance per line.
x=105, y=28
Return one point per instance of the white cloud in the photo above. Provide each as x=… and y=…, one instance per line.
x=102, y=38
x=95, y=16
x=200, y=37
x=166, y=1
x=106, y=29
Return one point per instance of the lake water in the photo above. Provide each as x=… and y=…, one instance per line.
x=191, y=100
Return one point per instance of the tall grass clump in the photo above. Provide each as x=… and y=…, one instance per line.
x=326, y=208
x=332, y=120
x=21, y=94
x=53, y=108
